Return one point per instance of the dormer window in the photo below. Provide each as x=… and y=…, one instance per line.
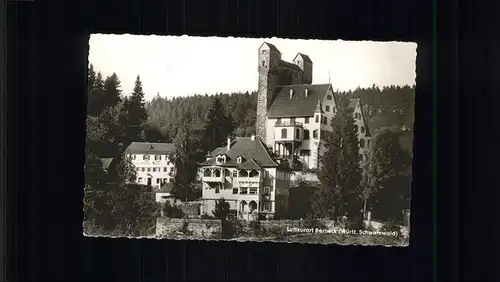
x=220, y=159
x=240, y=159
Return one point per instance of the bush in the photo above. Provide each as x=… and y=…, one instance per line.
x=172, y=211
x=221, y=209
x=185, y=228
x=256, y=228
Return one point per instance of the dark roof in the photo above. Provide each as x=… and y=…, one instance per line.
x=150, y=148
x=304, y=57
x=249, y=164
x=106, y=163
x=299, y=105
x=253, y=151
x=166, y=188
x=271, y=46
x=289, y=65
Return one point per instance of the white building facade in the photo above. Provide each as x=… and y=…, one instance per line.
x=247, y=177
x=152, y=162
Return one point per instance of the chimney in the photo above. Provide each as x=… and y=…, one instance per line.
x=291, y=93
x=253, y=137
x=306, y=92
x=228, y=143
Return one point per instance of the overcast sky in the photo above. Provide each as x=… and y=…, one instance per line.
x=180, y=66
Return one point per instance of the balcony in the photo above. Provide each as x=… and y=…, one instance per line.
x=255, y=179
x=213, y=179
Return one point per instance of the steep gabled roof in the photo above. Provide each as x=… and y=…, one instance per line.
x=353, y=103
x=150, y=148
x=304, y=57
x=249, y=164
x=299, y=105
x=271, y=46
x=254, y=151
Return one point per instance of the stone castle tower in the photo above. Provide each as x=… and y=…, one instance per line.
x=274, y=72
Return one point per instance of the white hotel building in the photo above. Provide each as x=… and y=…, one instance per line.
x=152, y=162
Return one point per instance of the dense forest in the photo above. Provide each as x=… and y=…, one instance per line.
x=383, y=107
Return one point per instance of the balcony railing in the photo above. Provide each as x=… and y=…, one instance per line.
x=213, y=178
x=255, y=179
x=288, y=123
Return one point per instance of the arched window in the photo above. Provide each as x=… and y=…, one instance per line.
x=327, y=108
x=362, y=143
x=329, y=97
x=356, y=128
x=362, y=129
x=316, y=134
x=283, y=133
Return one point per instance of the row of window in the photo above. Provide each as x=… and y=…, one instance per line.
x=362, y=143
x=155, y=169
x=159, y=181
x=148, y=157
x=246, y=190
x=361, y=129
x=234, y=173
x=284, y=134
x=306, y=120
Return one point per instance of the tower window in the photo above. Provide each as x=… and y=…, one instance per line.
x=329, y=97
x=362, y=129
x=356, y=128
x=316, y=119
x=306, y=120
x=362, y=143
x=263, y=63
x=327, y=108
x=316, y=134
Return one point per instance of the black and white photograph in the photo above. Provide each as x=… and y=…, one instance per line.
x=249, y=139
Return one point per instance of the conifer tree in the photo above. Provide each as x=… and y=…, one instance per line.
x=218, y=126
x=185, y=161
x=340, y=172
x=112, y=93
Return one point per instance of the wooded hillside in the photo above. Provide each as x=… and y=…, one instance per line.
x=383, y=107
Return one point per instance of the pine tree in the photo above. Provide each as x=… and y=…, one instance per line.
x=112, y=93
x=134, y=115
x=218, y=126
x=95, y=90
x=185, y=161
x=340, y=172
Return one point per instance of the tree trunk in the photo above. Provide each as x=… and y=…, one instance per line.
x=364, y=209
